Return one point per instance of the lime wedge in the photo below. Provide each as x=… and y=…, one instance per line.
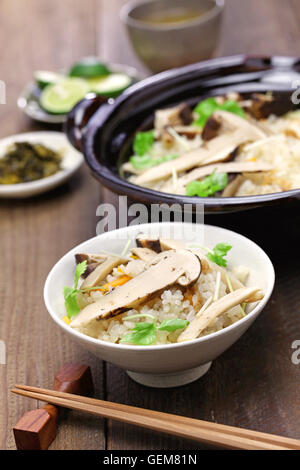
x=110, y=86
x=44, y=78
x=89, y=67
x=60, y=97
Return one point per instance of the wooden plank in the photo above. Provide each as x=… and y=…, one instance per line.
x=36, y=233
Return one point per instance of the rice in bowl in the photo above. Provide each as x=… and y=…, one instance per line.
x=182, y=306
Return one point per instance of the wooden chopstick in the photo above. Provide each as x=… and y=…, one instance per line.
x=268, y=438
x=201, y=431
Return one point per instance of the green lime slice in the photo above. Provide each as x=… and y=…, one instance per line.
x=44, y=78
x=88, y=68
x=110, y=86
x=60, y=97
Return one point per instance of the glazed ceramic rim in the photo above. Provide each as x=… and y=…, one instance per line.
x=126, y=11
x=260, y=306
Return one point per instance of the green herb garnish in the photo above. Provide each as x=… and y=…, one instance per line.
x=217, y=255
x=206, y=108
x=70, y=293
x=173, y=325
x=233, y=107
x=143, y=162
x=144, y=333
x=143, y=142
x=208, y=186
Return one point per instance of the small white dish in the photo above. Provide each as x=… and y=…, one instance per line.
x=71, y=162
x=29, y=99
x=168, y=365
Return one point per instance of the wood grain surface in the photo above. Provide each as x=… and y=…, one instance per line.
x=254, y=384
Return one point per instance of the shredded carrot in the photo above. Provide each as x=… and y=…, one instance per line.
x=67, y=320
x=133, y=257
x=117, y=282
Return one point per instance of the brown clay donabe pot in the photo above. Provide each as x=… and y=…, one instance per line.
x=104, y=130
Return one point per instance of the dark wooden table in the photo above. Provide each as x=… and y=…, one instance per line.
x=254, y=384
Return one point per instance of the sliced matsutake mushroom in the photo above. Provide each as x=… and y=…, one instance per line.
x=233, y=186
x=158, y=244
x=92, y=261
x=144, y=254
x=188, y=131
x=180, y=115
x=102, y=271
x=229, y=167
x=166, y=137
x=169, y=244
x=215, y=150
x=263, y=105
x=144, y=241
x=211, y=128
x=129, y=168
x=180, y=268
x=233, y=121
x=90, y=258
x=205, y=318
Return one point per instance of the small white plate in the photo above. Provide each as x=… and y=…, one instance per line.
x=29, y=99
x=57, y=141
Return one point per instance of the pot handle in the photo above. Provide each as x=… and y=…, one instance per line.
x=79, y=116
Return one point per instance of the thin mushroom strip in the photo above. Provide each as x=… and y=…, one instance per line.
x=230, y=167
x=215, y=150
x=222, y=305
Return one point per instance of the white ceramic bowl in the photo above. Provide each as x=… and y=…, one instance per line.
x=71, y=162
x=172, y=364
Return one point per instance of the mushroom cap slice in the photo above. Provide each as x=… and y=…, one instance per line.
x=144, y=254
x=102, y=271
x=158, y=244
x=170, y=244
x=92, y=261
x=211, y=128
x=195, y=328
x=178, y=115
x=144, y=241
x=171, y=268
x=249, y=127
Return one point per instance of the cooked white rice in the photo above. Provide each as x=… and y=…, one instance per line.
x=170, y=304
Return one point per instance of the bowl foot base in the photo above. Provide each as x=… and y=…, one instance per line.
x=175, y=379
